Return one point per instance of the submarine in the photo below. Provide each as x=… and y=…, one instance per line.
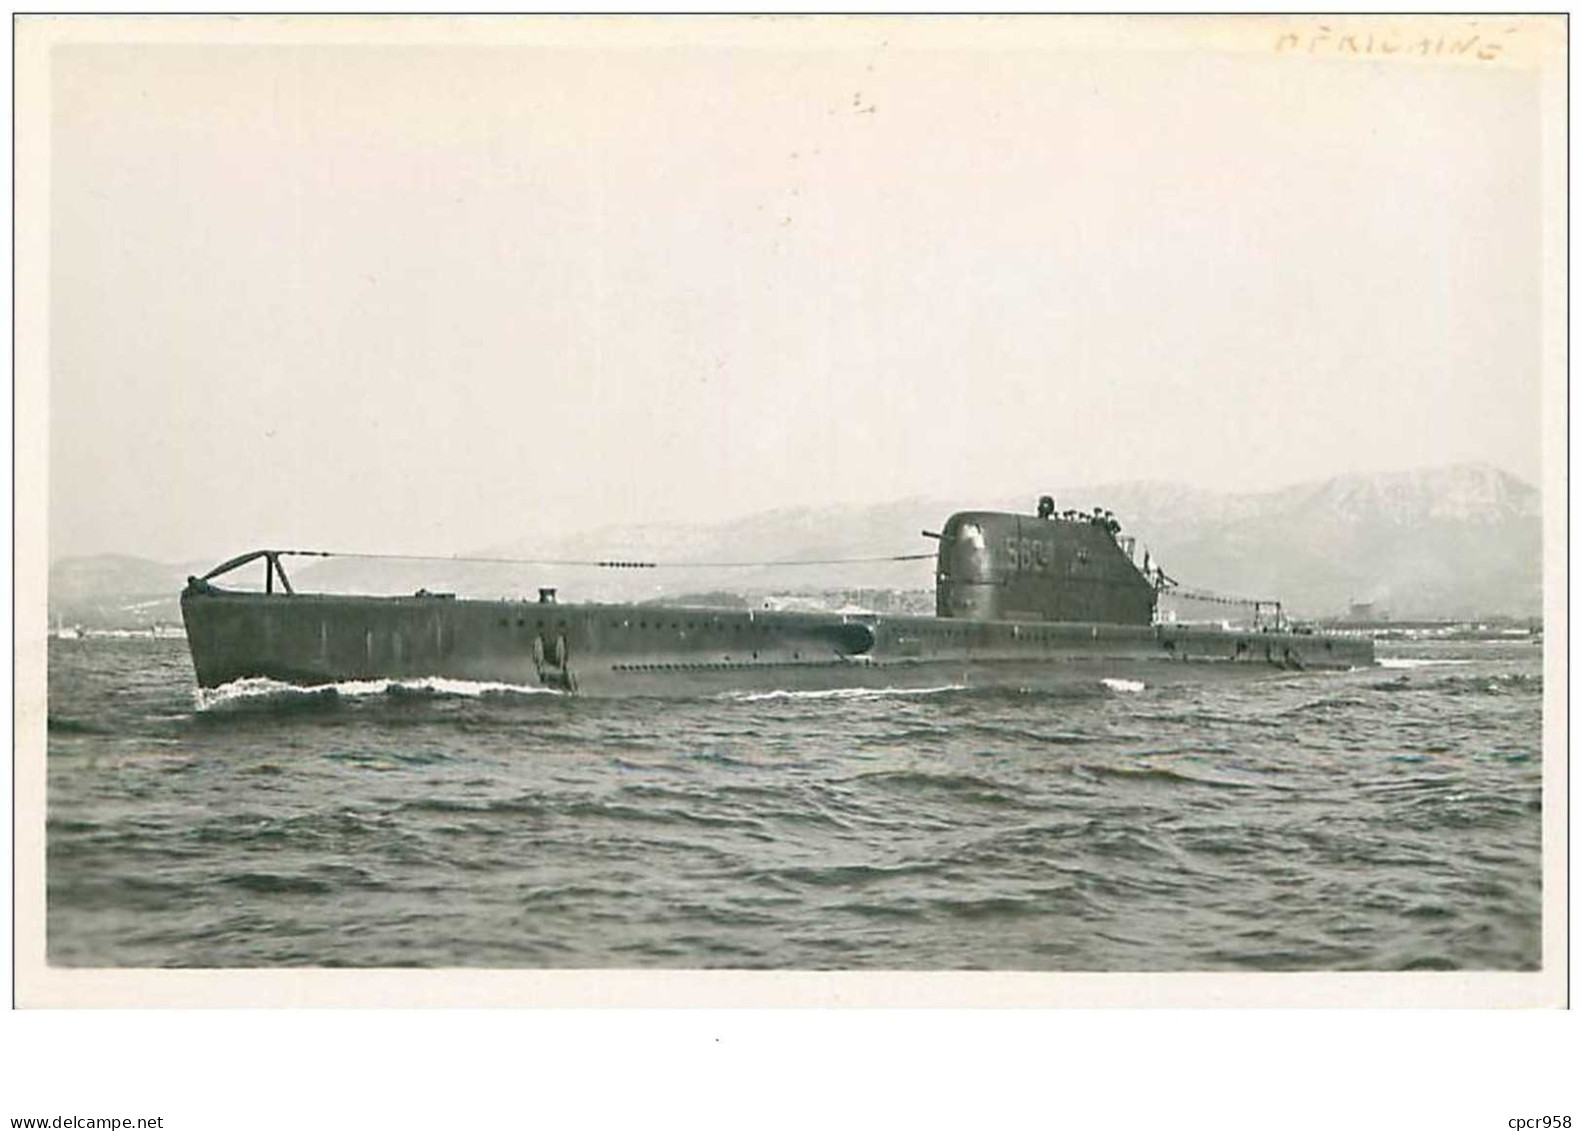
x=1022, y=601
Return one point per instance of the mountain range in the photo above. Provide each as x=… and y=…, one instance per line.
x=1448, y=542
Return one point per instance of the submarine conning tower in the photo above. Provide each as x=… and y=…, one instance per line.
x=1066, y=566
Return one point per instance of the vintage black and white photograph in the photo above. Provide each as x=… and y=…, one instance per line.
x=1057, y=495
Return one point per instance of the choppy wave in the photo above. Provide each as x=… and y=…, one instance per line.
x=61, y=724
x=1378, y=820
x=1458, y=682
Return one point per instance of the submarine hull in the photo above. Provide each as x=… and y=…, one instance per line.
x=626, y=650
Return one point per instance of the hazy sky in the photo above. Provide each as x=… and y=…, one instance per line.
x=434, y=298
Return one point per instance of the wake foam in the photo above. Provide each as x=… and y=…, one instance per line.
x=1405, y=662
x=261, y=689
x=841, y=693
x=1126, y=686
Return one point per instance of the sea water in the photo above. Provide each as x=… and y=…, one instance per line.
x=1385, y=819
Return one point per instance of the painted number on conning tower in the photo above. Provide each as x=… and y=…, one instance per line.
x=1027, y=553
